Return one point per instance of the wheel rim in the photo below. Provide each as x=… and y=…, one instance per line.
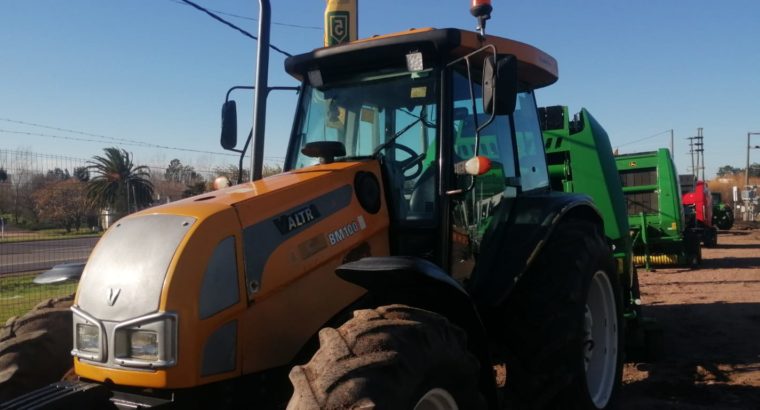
x=600, y=347
x=437, y=399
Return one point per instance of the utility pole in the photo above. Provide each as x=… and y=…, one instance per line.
x=691, y=153
x=672, y=150
x=700, y=153
x=746, y=170
x=747, y=192
x=696, y=147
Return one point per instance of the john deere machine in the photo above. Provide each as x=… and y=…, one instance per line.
x=411, y=256
x=722, y=213
x=655, y=212
x=580, y=159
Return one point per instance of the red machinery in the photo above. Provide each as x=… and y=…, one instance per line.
x=698, y=211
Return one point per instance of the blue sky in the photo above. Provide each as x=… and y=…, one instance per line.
x=157, y=71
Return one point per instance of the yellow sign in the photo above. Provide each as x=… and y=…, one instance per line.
x=340, y=22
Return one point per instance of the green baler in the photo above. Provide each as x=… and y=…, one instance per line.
x=580, y=159
x=655, y=212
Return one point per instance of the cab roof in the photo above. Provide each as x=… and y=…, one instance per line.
x=535, y=68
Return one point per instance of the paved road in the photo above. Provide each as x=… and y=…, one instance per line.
x=38, y=255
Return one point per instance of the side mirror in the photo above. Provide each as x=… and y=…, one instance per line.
x=500, y=85
x=229, y=125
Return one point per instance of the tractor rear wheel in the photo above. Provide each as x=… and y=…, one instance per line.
x=35, y=349
x=392, y=357
x=564, y=324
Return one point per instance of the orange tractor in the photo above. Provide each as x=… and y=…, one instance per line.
x=412, y=254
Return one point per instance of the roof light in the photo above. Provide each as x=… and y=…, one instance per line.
x=481, y=9
x=414, y=62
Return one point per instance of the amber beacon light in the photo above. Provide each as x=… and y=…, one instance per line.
x=481, y=9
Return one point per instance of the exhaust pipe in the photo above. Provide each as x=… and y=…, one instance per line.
x=261, y=91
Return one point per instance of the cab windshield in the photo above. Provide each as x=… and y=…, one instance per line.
x=390, y=115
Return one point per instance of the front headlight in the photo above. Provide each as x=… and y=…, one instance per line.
x=148, y=342
x=143, y=345
x=87, y=338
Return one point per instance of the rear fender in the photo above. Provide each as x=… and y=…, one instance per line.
x=417, y=282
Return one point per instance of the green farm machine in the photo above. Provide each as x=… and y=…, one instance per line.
x=655, y=210
x=722, y=213
x=580, y=160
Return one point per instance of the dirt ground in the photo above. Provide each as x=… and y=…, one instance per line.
x=710, y=356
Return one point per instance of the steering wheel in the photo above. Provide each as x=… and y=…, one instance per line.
x=413, y=162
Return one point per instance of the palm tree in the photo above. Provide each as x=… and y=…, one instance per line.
x=117, y=183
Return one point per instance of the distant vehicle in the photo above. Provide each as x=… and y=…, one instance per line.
x=698, y=209
x=655, y=213
x=722, y=213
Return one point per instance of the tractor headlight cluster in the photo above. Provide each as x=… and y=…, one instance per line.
x=143, y=345
x=89, y=337
x=149, y=341
x=145, y=342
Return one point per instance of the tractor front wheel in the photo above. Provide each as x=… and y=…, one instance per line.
x=392, y=357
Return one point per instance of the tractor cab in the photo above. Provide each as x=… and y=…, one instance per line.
x=450, y=116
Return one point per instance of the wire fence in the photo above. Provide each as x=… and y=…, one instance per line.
x=19, y=294
x=46, y=218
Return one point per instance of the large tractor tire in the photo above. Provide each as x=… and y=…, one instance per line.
x=392, y=357
x=723, y=218
x=35, y=349
x=564, y=324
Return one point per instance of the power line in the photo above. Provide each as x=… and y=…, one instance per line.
x=124, y=141
x=643, y=139
x=227, y=23
x=37, y=134
x=254, y=19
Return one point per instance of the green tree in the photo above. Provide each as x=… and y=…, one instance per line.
x=176, y=172
x=82, y=174
x=117, y=183
x=754, y=169
x=727, y=170
x=63, y=203
x=3, y=175
x=196, y=188
x=57, y=174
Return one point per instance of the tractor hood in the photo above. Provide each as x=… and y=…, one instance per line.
x=129, y=267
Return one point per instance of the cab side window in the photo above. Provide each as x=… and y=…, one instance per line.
x=530, y=147
x=474, y=211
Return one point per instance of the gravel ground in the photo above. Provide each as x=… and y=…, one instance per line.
x=710, y=357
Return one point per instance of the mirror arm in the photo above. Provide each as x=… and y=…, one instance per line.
x=237, y=87
x=478, y=128
x=242, y=156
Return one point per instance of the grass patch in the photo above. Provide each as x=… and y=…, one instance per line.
x=18, y=294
